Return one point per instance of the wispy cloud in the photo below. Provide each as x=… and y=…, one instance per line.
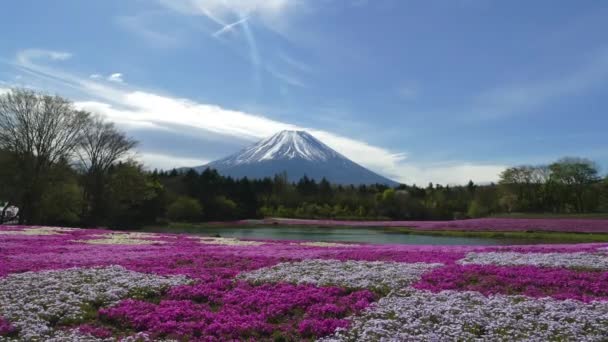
x=289, y=79
x=25, y=56
x=274, y=15
x=519, y=98
x=292, y=62
x=135, y=108
x=270, y=12
x=145, y=25
x=116, y=77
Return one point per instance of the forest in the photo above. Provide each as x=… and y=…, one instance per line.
x=63, y=166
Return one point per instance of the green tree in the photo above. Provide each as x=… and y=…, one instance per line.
x=185, y=209
x=223, y=208
x=61, y=204
x=38, y=130
x=102, y=145
x=131, y=192
x=10, y=191
x=574, y=177
x=477, y=209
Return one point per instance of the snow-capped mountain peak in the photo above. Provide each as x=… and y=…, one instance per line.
x=296, y=153
x=284, y=145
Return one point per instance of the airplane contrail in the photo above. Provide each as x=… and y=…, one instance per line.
x=229, y=27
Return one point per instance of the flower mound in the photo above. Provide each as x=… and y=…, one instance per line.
x=37, y=231
x=37, y=303
x=376, y=275
x=569, y=260
x=122, y=239
x=228, y=241
x=468, y=316
x=326, y=244
x=224, y=310
x=525, y=280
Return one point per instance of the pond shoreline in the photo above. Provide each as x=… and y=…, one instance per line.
x=344, y=233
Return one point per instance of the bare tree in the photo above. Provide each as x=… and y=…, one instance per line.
x=39, y=130
x=101, y=147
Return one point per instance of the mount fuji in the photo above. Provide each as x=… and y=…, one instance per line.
x=297, y=153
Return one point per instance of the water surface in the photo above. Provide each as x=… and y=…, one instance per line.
x=366, y=235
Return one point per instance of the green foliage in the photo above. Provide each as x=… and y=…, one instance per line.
x=185, y=209
x=567, y=186
x=61, y=204
x=477, y=209
x=133, y=196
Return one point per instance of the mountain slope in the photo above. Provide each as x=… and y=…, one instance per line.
x=298, y=153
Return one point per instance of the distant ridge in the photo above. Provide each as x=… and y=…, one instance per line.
x=297, y=153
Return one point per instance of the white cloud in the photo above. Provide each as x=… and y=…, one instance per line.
x=449, y=173
x=115, y=77
x=150, y=110
x=167, y=162
x=25, y=56
x=134, y=108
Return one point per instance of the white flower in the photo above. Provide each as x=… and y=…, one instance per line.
x=378, y=275
x=569, y=260
x=326, y=244
x=35, y=301
x=122, y=239
x=38, y=231
x=228, y=241
x=413, y=315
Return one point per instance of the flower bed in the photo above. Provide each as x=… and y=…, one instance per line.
x=469, y=316
x=580, y=260
x=376, y=275
x=60, y=284
x=36, y=302
x=482, y=224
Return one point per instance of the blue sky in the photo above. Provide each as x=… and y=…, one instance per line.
x=420, y=91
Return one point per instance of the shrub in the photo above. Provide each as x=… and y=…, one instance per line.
x=185, y=209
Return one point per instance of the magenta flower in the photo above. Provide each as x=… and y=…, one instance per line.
x=6, y=328
x=526, y=280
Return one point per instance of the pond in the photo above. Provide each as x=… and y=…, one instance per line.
x=366, y=235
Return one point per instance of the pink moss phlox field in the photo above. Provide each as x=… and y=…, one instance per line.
x=482, y=224
x=531, y=281
x=217, y=304
x=226, y=310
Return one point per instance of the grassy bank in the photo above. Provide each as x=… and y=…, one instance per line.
x=532, y=235
x=551, y=216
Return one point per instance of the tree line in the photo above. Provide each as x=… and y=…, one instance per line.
x=64, y=166
x=567, y=186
